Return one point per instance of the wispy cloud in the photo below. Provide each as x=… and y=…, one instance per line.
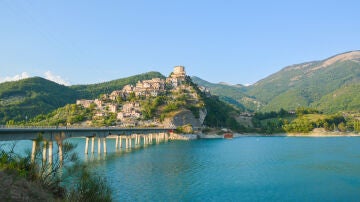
x=55, y=78
x=17, y=77
x=47, y=75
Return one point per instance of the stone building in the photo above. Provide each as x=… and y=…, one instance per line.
x=177, y=76
x=98, y=103
x=117, y=93
x=112, y=108
x=149, y=87
x=130, y=110
x=84, y=103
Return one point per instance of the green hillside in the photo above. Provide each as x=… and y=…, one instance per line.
x=234, y=95
x=92, y=91
x=32, y=96
x=308, y=84
x=346, y=97
x=330, y=85
x=186, y=99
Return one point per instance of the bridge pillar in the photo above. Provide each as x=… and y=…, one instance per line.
x=86, y=145
x=126, y=142
x=60, y=150
x=116, y=142
x=130, y=141
x=92, y=144
x=120, y=141
x=50, y=152
x=104, y=141
x=44, y=151
x=99, y=145
x=33, y=150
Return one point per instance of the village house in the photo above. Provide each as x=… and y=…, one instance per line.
x=129, y=110
x=149, y=87
x=84, y=103
x=112, y=108
x=128, y=89
x=117, y=93
x=98, y=103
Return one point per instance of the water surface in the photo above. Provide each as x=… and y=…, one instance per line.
x=242, y=169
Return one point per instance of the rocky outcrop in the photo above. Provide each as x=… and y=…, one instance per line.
x=202, y=115
x=175, y=136
x=185, y=117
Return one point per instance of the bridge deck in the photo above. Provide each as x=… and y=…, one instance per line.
x=30, y=133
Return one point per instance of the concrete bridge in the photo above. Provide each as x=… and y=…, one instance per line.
x=124, y=137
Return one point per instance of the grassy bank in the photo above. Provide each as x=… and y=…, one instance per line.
x=25, y=180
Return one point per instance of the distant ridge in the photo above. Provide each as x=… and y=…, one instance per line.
x=318, y=84
x=330, y=85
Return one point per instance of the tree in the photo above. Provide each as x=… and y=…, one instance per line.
x=342, y=127
x=10, y=123
x=119, y=99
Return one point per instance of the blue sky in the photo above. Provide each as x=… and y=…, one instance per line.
x=233, y=41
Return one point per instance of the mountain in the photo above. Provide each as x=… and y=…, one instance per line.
x=311, y=84
x=330, y=85
x=232, y=94
x=32, y=96
x=172, y=102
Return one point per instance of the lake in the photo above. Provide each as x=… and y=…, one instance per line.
x=241, y=169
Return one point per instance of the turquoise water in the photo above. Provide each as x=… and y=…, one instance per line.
x=242, y=169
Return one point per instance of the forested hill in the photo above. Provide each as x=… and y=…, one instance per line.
x=329, y=85
x=92, y=91
x=34, y=96
x=308, y=83
x=232, y=94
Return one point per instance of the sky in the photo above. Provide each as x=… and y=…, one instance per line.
x=233, y=41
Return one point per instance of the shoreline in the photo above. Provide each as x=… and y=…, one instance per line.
x=311, y=134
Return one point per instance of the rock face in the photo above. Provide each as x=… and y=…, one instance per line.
x=185, y=117
x=202, y=114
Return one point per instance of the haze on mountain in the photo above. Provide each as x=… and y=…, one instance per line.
x=330, y=85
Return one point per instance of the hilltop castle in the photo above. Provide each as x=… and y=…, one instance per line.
x=177, y=76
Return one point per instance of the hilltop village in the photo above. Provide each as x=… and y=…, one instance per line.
x=155, y=102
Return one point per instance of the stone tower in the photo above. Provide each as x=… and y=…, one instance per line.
x=179, y=72
x=177, y=76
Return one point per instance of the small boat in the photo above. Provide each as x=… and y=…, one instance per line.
x=228, y=136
